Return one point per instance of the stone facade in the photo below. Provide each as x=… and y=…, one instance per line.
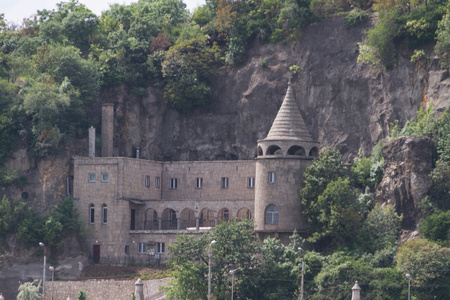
x=137, y=207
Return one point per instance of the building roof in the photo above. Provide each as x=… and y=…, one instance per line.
x=289, y=123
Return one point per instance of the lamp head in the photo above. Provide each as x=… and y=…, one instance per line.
x=232, y=272
x=300, y=249
x=41, y=244
x=51, y=268
x=408, y=275
x=213, y=242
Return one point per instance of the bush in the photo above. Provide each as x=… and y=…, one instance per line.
x=436, y=227
x=356, y=17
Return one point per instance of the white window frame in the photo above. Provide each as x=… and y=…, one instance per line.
x=91, y=177
x=141, y=248
x=157, y=182
x=160, y=247
x=225, y=182
x=272, y=177
x=173, y=183
x=105, y=177
x=104, y=214
x=251, y=182
x=199, y=181
x=274, y=215
x=147, y=181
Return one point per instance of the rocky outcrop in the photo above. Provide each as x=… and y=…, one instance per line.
x=408, y=162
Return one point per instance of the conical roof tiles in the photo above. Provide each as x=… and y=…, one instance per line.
x=289, y=123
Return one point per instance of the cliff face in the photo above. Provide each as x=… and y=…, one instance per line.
x=345, y=105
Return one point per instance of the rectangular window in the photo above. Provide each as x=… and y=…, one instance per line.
x=272, y=177
x=157, y=182
x=173, y=183
x=92, y=214
x=105, y=214
x=105, y=177
x=199, y=183
x=141, y=248
x=91, y=177
x=251, y=182
x=225, y=182
x=127, y=249
x=160, y=247
x=147, y=181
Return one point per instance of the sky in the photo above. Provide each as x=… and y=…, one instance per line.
x=16, y=10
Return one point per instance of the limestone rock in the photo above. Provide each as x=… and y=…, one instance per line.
x=405, y=181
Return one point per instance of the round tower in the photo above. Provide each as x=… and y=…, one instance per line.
x=282, y=158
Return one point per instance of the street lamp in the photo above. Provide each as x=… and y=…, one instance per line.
x=232, y=283
x=409, y=285
x=303, y=273
x=51, y=268
x=43, y=272
x=209, y=269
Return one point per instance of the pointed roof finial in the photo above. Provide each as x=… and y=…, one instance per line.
x=289, y=77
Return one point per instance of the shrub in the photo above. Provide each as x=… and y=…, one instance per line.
x=356, y=17
x=436, y=227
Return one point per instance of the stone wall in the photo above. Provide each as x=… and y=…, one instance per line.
x=104, y=289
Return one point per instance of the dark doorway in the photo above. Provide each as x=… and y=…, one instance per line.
x=133, y=219
x=96, y=254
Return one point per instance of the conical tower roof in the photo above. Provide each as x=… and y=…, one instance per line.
x=289, y=123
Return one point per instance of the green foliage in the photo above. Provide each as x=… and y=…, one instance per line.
x=436, y=227
x=356, y=17
x=295, y=69
x=29, y=291
x=440, y=185
x=186, y=69
x=429, y=266
x=443, y=41
x=10, y=213
x=12, y=177
x=326, y=8
x=279, y=261
x=82, y=295
x=380, y=230
x=235, y=247
x=361, y=171
x=378, y=49
x=340, y=212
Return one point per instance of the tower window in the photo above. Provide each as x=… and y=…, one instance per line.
x=272, y=177
x=147, y=181
x=173, y=183
x=272, y=215
x=251, y=182
x=157, y=182
x=225, y=182
x=160, y=247
x=199, y=183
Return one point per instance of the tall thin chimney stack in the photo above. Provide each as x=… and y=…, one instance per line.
x=91, y=141
x=107, y=129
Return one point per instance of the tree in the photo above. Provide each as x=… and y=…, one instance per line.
x=429, y=266
x=436, y=227
x=29, y=291
x=235, y=248
x=443, y=40
x=340, y=213
x=380, y=230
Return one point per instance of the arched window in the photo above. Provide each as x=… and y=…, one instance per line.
x=296, y=150
x=272, y=215
x=274, y=150
x=92, y=214
x=314, y=152
x=104, y=213
x=259, y=151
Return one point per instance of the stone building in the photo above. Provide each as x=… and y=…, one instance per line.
x=133, y=206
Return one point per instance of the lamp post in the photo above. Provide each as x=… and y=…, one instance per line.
x=303, y=273
x=51, y=268
x=43, y=272
x=209, y=269
x=232, y=283
x=409, y=285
